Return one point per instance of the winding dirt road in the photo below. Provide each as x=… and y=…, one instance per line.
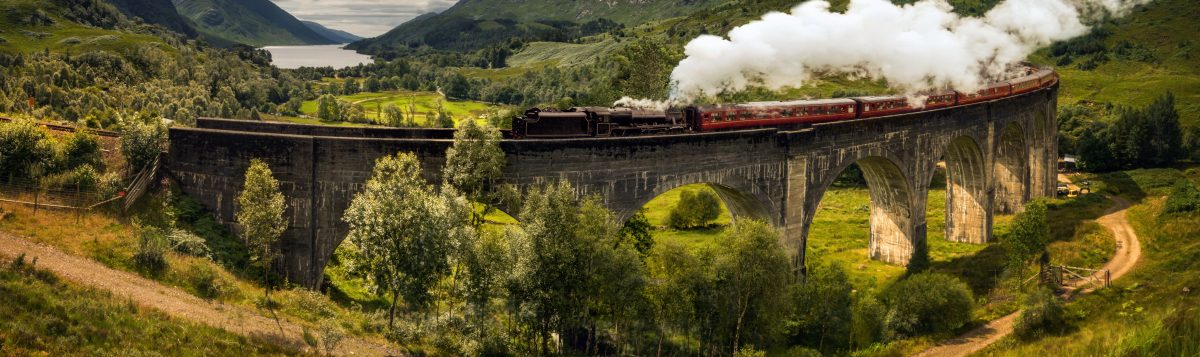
x=175, y=302
x=1129, y=250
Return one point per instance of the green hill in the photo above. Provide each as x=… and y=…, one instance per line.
x=338, y=36
x=157, y=12
x=1133, y=60
x=474, y=24
x=251, y=22
x=44, y=25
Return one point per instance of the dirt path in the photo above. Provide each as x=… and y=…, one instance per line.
x=173, y=301
x=1129, y=250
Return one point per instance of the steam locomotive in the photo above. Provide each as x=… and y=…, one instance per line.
x=607, y=122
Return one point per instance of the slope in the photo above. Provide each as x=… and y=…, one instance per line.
x=474, y=24
x=157, y=12
x=338, y=36
x=252, y=22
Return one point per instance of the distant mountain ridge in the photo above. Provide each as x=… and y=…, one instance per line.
x=252, y=22
x=157, y=12
x=338, y=36
x=474, y=24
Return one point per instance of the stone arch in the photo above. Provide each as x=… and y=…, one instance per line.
x=1011, y=169
x=739, y=201
x=967, y=218
x=893, y=237
x=1043, y=155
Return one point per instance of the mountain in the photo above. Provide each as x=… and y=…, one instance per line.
x=475, y=24
x=251, y=22
x=157, y=12
x=338, y=36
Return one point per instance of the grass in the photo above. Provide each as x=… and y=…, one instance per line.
x=1153, y=310
x=42, y=315
x=373, y=102
x=64, y=35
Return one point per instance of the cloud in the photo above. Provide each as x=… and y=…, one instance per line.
x=366, y=18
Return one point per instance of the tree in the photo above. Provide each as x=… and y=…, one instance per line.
x=392, y=116
x=328, y=108
x=81, y=148
x=1029, y=235
x=569, y=273
x=821, y=314
x=404, y=230
x=753, y=280
x=695, y=209
x=23, y=146
x=644, y=69
x=141, y=142
x=927, y=302
x=671, y=273
x=636, y=231
x=474, y=163
x=260, y=209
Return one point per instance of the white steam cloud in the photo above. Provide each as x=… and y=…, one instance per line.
x=917, y=47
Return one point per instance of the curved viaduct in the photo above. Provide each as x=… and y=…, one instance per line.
x=998, y=155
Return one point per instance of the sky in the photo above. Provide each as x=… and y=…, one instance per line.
x=367, y=18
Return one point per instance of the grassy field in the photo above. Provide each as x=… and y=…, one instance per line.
x=42, y=315
x=1151, y=312
x=424, y=102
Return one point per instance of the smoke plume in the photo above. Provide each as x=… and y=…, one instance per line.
x=917, y=47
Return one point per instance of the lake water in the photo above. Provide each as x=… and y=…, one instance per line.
x=315, y=56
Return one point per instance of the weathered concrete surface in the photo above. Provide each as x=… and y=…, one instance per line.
x=998, y=155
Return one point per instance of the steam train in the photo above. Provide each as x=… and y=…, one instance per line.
x=606, y=122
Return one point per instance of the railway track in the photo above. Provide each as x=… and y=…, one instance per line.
x=70, y=129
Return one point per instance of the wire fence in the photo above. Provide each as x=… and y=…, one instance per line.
x=41, y=197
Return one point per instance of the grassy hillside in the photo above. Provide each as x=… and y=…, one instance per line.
x=474, y=24
x=1150, y=52
x=42, y=315
x=1152, y=311
x=425, y=103
x=338, y=36
x=252, y=22
x=157, y=12
x=35, y=25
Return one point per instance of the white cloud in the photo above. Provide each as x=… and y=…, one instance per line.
x=366, y=18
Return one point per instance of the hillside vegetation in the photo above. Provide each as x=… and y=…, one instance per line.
x=252, y=22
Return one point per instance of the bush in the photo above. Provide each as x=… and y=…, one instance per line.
x=866, y=322
x=24, y=146
x=141, y=143
x=1184, y=198
x=695, y=209
x=1041, y=312
x=927, y=303
x=188, y=243
x=151, y=250
x=81, y=149
x=206, y=282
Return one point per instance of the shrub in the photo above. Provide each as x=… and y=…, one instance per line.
x=188, y=243
x=151, y=250
x=1184, y=198
x=207, y=283
x=81, y=149
x=927, y=303
x=866, y=322
x=22, y=147
x=140, y=143
x=1041, y=312
x=694, y=209
x=331, y=335
x=82, y=178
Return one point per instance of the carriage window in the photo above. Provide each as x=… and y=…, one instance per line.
x=746, y=115
x=787, y=112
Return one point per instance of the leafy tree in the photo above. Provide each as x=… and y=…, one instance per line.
x=672, y=272
x=1029, y=235
x=404, y=230
x=867, y=321
x=925, y=303
x=81, y=148
x=821, y=306
x=22, y=147
x=141, y=142
x=753, y=281
x=474, y=163
x=456, y=86
x=570, y=274
x=328, y=108
x=260, y=209
x=695, y=209
x=487, y=263
x=643, y=69
x=392, y=116
x=636, y=231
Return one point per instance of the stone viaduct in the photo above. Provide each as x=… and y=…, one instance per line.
x=998, y=155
